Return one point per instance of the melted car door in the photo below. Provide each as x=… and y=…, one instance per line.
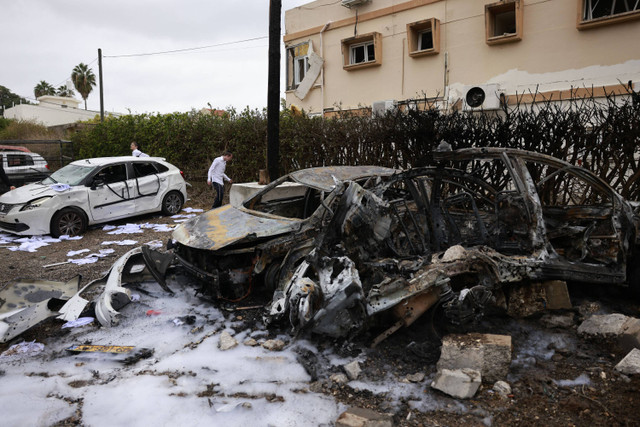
x=582, y=218
x=111, y=195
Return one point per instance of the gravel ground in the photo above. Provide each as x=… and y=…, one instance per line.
x=608, y=399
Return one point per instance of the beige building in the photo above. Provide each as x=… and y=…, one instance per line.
x=463, y=54
x=52, y=111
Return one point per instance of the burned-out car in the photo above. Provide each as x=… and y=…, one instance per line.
x=458, y=236
x=232, y=249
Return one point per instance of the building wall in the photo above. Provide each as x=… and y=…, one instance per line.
x=51, y=111
x=552, y=55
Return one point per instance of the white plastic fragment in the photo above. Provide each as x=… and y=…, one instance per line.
x=81, y=321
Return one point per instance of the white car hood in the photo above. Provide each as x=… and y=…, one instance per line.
x=29, y=192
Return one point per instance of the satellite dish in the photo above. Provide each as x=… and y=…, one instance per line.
x=475, y=97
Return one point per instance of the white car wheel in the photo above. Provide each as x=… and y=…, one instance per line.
x=172, y=203
x=69, y=221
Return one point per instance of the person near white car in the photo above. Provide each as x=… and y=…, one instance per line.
x=135, y=150
x=216, y=177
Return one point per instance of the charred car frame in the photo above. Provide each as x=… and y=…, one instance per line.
x=458, y=235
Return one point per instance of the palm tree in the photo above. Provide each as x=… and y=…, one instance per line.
x=84, y=80
x=43, y=88
x=65, y=91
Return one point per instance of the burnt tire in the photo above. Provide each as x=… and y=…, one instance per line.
x=68, y=221
x=172, y=203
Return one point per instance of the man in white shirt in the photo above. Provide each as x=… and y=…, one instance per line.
x=135, y=150
x=216, y=177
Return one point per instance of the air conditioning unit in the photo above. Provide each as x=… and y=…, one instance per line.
x=483, y=97
x=351, y=3
x=380, y=107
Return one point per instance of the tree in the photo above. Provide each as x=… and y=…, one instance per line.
x=64, y=91
x=84, y=80
x=8, y=99
x=43, y=88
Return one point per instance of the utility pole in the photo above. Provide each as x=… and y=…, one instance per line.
x=100, y=78
x=273, y=91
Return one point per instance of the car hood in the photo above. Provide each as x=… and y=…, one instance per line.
x=29, y=192
x=219, y=228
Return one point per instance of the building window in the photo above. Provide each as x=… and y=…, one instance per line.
x=596, y=13
x=297, y=64
x=503, y=21
x=362, y=51
x=424, y=37
x=300, y=68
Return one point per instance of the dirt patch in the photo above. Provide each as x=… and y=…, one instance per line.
x=538, y=396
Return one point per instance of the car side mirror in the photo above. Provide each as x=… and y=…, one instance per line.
x=96, y=182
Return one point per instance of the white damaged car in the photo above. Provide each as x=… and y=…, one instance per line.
x=92, y=191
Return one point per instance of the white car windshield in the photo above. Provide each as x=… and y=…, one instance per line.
x=70, y=174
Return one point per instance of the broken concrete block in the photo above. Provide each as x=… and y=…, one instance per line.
x=607, y=325
x=459, y=383
x=273, y=345
x=536, y=297
x=339, y=378
x=502, y=388
x=250, y=342
x=490, y=354
x=416, y=378
x=352, y=370
x=226, y=342
x=622, y=330
x=563, y=321
x=630, y=365
x=361, y=417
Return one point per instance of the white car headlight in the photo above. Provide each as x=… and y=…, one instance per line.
x=35, y=203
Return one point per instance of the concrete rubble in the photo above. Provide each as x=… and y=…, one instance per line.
x=273, y=345
x=227, y=342
x=458, y=383
x=502, y=388
x=623, y=331
x=352, y=370
x=630, y=365
x=362, y=417
x=487, y=353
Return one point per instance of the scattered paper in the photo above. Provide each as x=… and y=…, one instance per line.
x=59, y=187
x=81, y=321
x=74, y=253
x=190, y=210
x=120, y=242
x=23, y=349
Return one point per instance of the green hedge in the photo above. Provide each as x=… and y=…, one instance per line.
x=603, y=134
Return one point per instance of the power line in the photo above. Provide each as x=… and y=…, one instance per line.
x=188, y=49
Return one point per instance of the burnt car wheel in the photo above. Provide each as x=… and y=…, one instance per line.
x=69, y=221
x=172, y=203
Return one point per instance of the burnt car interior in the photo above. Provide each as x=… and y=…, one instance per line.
x=300, y=205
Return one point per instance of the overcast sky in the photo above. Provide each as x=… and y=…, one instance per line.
x=46, y=39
